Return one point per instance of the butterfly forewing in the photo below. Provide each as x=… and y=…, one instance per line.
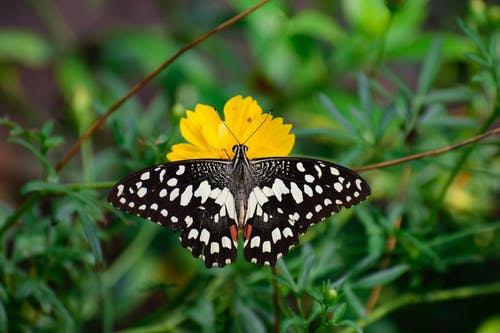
x=291, y=194
x=189, y=196
x=273, y=201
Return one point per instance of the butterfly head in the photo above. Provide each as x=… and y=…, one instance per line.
x=240, y=154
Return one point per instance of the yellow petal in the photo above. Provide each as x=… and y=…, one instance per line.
x=245, y=123
x=200, y=127
x=243, y=116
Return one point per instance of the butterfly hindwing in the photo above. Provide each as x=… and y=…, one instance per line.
x=189, y=196
x=290, y=195
x=273, y=201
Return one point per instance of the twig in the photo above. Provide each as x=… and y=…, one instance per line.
x=428, y=153
x=72, y=151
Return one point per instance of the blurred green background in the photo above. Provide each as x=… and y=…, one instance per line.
x=361, y=82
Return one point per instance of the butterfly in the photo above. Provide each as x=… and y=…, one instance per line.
x=271, y=200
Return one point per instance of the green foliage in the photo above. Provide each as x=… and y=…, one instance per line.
x=361, y=81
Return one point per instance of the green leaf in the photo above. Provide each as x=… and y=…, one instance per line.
x=339, y=312
x=91, y=234
x=449, y=95
x=376, y=239
x=349, y=323
x=248, y=321
x=477, y=59
x=47, y=166
x=354, y=301
x=382, y=277
x=285, y=277
x=475, y=38
x=44, y=187
x=303, y=279
x=337, y=115
x=4, y=319
x=45, y=295
x=24, y=47
x=430, y=67
x=316, y=24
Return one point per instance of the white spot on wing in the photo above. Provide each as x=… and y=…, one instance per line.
x=181, y=170
x=296, y=193
x=205, y=236
x=145, y=175
x=142, y=192
x=174, y=194
x=308, y=190
x=189, y=220
x=255, y=241
x=309, y=178
x=266, y=247
x=318, y=170
x=287, y=232
x=193, y=233
x=268, y=191
x=260, y=196
x=214, y=247
x=300, y=167
x=338, y=187
x=172, y=182
x=226, y=242
x=203, y=191
x=276, y=235
x=120, y=189
x=279, y=188
x=186, y=195
x=163, y=193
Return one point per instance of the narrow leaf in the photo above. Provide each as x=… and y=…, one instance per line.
x=382, y=277
x=337, y=115
x=304, y=273
x=91, y=234
x=354, y=301
x=430, y=67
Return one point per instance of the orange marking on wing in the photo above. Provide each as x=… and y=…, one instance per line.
x=234, y=233
x=247, y=231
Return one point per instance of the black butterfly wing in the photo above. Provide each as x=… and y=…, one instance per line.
x=290, y=195
x=188, y=196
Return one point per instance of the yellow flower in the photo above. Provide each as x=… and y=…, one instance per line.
x=209, y=137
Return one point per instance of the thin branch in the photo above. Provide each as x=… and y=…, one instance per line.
x=428, y=153
x=74, y=149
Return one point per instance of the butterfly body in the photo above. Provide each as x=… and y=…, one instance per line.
x=272, y=200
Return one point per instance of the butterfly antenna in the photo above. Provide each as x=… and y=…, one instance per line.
x=258, y=127
x=234, y=136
